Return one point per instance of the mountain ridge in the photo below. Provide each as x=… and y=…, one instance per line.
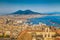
x=26, y=12
x=29, y=12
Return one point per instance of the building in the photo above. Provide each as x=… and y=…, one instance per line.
x=45, y=34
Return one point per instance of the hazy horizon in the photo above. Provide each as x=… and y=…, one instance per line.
x=41, y=6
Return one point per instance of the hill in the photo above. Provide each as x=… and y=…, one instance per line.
x=26, y=12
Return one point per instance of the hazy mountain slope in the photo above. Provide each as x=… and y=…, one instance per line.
x=26, y=12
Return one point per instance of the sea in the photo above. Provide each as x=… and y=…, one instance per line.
x=48, y=20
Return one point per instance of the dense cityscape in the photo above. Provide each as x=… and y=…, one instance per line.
x=29, y=19
x=14, y=28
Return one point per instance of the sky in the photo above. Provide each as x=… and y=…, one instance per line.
x=42, y=6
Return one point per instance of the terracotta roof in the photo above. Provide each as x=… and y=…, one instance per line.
x=58, y=31
x=57, y=38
